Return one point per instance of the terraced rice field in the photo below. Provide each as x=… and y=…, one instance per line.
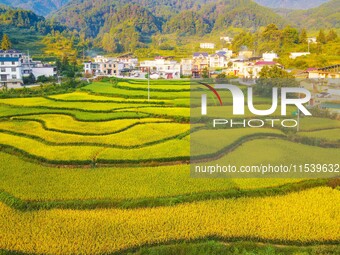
x=104, y=171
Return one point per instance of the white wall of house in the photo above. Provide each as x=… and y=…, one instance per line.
x=10, y=71
x=47, y=71
x=295, y=55
x=186, y=67
x=207, y=45
x=269, y=56
x=167, y=69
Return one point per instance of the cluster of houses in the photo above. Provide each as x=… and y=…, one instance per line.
x=244, y=65
x=15, y=65
x=109, y=66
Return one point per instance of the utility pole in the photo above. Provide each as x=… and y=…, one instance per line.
x=28, y=61
x=148, y=84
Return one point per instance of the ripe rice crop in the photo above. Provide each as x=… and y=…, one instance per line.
x=107, y=88
x=50, y=153
x=211, y=141
x=315, y=123
x=168, y=150
x=329, y=134
x=281, y=218
x=51, y=183
x=134, y=136
x=64, y=123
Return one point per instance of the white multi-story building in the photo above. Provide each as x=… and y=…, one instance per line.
x=207, y=45
x=248, y=69
x=10, y=72
x=128, y=62
x=269, y=56
x=227, y=39
x=167, y=69
x=186, y=67
x=103, y=59
x=37, y=68
x=91, y=68
x=102, y=65
x=15, y=65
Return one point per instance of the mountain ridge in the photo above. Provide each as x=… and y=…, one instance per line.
x=291, y=4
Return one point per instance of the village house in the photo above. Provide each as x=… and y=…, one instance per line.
x=249, y=69
x=108, y=66
x=328, y=72
x=226, y=39
x=294, y=55
x=269, y=56
x=200, y=61
x=186, y=67
x=10, y=72
x=129, y=62
x=312, y=40
x=245, y=54
x=15, y=65
x=207, y=45
x=220, y=59
x=91, y=68
x=161, y=67
x=37, y=68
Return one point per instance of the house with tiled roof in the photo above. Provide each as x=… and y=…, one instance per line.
x=220, y=59
x=200, y=61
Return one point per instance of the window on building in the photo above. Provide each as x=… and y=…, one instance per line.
x=13, y=63
x=14, y=69
x=2, y=63
x=3, y=70
x=14, y=77
x=3, y=77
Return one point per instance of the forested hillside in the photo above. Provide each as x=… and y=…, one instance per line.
x=26, y=19
x=104, y=20
x=324, y=16
x=41, y=7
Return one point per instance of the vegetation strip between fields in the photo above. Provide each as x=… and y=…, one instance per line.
x=232, y=246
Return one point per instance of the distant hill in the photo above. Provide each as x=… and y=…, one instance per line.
x=116, y=20
x=41, y=7
x=291, y=4
x=25, y=28
x=324, y=16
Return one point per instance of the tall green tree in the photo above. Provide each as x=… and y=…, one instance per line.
x=6, y=43
x=243, y=39
x=322, y=37
x=332, y=36
x=290, y=36
x=303, y=36
x=273, y=77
